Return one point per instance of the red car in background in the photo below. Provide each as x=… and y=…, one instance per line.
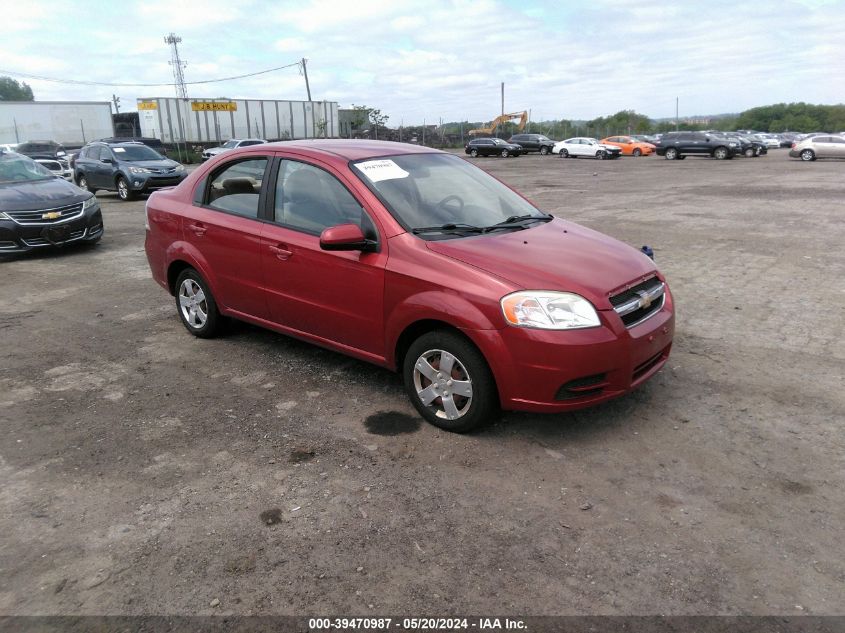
x=415, y=260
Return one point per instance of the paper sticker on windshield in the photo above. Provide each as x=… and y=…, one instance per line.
x=378, y=170
x=118, y=149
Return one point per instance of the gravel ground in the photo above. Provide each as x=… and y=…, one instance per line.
x=147, y=472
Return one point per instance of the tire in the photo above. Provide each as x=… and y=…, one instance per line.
x=750, y=153
x=82, y=182
x=721, y=153
x=189, y=285
x=672, y=153
x=563, y=153
x=505, y=153
x=637, y=152
x=123, y=190
x=601, y=155
x=474, y=153
x=544, y=150
x=424, y=358
x=807, y=155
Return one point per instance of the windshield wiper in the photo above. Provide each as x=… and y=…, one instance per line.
x=517, y=222
x=450, y=227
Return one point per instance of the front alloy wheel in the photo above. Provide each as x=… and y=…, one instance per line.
x=449, y=382
x=123, y=190
x=505, y=153
x=601, y=155
x=638, y=152
x=474, y=153
x=544, y=150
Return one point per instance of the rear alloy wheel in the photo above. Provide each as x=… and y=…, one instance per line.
x=196, y=305
x=563, y=153
x=474, y=153
x=750, y=153
x=544, y=150
x=123, y=190
x=720, y=153
x=808, y=155
x=82, y=183
x=637, y=152
x=449, y=382
x=505, y=153
x=671, y=153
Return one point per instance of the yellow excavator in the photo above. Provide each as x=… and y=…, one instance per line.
x=522, y=116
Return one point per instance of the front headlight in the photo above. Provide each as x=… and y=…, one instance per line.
x=548, y=310
x=140, y=170
x=180, y=168
x=90, y=202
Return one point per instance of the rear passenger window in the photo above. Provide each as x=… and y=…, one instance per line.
x=237, y=186
x=311, y=199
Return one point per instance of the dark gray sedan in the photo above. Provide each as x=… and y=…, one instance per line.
x=39, y=210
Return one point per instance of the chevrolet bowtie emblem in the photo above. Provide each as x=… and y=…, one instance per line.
x=645, y=299
x=51, y=215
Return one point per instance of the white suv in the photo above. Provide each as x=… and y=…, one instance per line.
x=234, y=143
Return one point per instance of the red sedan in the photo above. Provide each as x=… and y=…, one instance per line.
x=416, y=260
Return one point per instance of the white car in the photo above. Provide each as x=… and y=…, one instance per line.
x=585, y=146
x=770, y=141
x=59, y=166
x=230, y=144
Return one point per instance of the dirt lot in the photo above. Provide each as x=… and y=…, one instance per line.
x=147, y=472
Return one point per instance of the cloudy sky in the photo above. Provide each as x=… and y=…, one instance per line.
x=427, y=59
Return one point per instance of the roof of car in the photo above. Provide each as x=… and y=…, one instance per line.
x=351, y=149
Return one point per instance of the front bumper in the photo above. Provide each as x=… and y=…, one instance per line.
x=19, y=238
x=554, y=371
x=142, y=183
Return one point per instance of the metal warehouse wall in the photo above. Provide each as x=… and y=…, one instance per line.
x=175, y=120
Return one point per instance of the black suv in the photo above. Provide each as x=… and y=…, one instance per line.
x=679, y=145
x=128, y=168
x=492, y=147
x=533, y=143
x=42, y=149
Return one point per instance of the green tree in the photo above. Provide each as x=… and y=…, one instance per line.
x=377, y=118
x=11, y=90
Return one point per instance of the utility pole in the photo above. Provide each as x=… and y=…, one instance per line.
x=177, y=64
x=116, y=101
x=305, y=72
x=676, y=114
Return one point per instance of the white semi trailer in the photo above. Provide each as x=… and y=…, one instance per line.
x=71, y=123
x=206, y=121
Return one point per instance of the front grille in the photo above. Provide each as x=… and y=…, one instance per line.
x=67, y=212
x=639, y=302
x=163, y=181
x=585, y=387
x=40, y=241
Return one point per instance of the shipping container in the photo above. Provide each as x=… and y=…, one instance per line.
x=71, y=123
x=207, y=121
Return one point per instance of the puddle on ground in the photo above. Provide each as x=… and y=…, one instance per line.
x=392, y=423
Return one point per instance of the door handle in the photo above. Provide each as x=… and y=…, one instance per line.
x=198, y=228
x=281, y=252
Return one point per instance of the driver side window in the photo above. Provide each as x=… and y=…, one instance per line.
x=310, y=199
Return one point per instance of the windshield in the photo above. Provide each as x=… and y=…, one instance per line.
x=134, y=153
x=230, y=144
x=17, y=168
x=424, y=190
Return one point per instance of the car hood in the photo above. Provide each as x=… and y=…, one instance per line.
x=557, y=255
x=153, y=164
x=216, y=150
x=42, y=194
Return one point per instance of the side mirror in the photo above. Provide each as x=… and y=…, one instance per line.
x=345, y=237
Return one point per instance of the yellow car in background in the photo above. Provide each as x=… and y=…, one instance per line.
x=629, y=146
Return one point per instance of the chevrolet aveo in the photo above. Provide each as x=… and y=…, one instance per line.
x=415, y=260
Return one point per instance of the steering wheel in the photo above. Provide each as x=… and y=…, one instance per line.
x=444, y=204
